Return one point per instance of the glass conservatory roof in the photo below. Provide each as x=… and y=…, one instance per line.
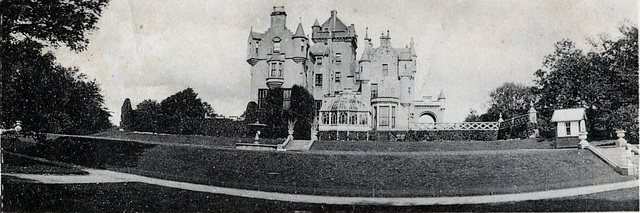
x=344, y=103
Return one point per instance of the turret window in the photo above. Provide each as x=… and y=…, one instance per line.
x=338, y=57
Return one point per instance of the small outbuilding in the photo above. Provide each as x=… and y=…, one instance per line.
x=570, y=122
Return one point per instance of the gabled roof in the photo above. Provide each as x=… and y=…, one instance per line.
x=576, y=114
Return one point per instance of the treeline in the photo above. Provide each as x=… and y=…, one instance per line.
x=603, y=80
x=185, y=113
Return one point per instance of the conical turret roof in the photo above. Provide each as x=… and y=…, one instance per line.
x=299, y=32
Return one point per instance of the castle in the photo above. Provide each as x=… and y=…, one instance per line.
x=374, y=92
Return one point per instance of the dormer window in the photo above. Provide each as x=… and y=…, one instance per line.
x=276, y=45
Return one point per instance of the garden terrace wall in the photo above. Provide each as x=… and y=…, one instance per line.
x=448, y=135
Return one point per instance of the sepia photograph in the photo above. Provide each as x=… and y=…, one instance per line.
x=319, y=106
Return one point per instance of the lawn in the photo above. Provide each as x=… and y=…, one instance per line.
x=208, y=141
x=20, y=196
x=389, y=175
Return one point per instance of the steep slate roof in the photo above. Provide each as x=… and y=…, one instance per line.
x=576, y=114
x=339, y=25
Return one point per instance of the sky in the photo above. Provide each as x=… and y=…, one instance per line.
x=151, y=49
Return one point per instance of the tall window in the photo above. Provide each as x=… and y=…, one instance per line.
x=318, y=79
x=383, y=114
x=276, y=45
x=319, y=60
x=385, y=69
x=286, y=99
x=262, y=97
x=338, y=57
x=393, y=117
x=567, y=125
x=374, y=90
x=337, y=76
x=302, y=48
x=276, y=69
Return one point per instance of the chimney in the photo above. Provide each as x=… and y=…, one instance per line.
x=278, y=18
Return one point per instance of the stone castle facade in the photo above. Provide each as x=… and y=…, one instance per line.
x=373, y=92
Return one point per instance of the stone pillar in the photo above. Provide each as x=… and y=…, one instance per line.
x=533, y=120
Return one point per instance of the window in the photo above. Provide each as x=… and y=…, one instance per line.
x=262, y=96
x=383, y=113
x=338, y=57
x=343, y=118
x=302, y=48
x=393, y=117
x=256, y=51
x=286, y=99
x=319, y=80
x=567, y=125
x=276, y=45
x=385, y=69
x=374, y=90
x=334, y=118
x=276, y=69
x=353, y=118
x=337, y=77
x=319, y=60
x=357, y=76
x=325, y=118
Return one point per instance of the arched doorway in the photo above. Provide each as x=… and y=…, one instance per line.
x=427, y=117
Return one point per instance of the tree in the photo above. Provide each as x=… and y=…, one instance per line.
x=603, y=81
x=184, y=104
x=302, y=111
x=36, y=90
x=147, y=116
x=510, y=100
x=126, y=115
x=251, y=112
x=273, y=115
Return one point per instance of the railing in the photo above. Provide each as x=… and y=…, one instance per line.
x=458, y=126
x=515, y=121
x=632, y=148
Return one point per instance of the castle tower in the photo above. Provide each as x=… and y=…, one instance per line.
x=333, y=55
x=277, y=58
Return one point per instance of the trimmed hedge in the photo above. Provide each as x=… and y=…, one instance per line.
x=447, y=135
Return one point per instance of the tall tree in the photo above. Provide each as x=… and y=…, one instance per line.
x=302, y=111
x=604, y=81
x=35, y=89
x=126, y=115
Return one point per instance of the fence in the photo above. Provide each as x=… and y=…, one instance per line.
x=458, y=126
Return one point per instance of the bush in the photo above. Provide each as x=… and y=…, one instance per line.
x=448, y=135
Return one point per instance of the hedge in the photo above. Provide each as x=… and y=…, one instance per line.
x=448, y=135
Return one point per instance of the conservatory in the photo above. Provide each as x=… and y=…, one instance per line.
x=344, y=113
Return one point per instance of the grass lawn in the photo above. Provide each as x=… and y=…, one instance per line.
x=183, y=139
x=15, y=164
x=20, y=196
x=396, y=175
x=382, y=146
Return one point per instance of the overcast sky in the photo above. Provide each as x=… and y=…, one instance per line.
x=153, y=49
